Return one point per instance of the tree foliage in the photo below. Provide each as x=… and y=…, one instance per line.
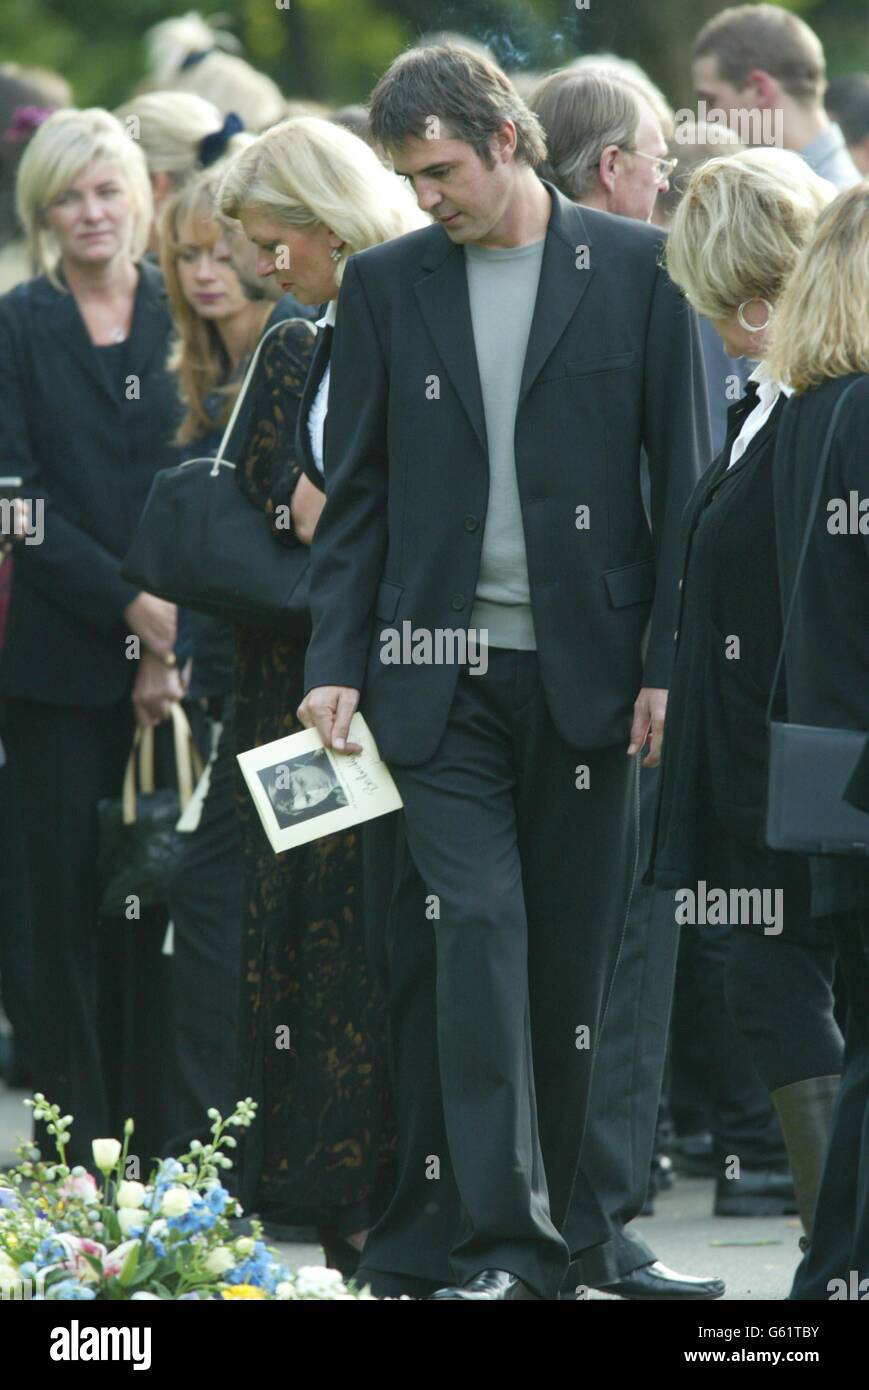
x=333, y=50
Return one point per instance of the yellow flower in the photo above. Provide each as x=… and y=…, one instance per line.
x=242, y=1291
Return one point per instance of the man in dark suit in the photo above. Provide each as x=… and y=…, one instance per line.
x=494, y=378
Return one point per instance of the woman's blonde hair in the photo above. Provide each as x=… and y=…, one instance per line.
x=170, y=127
x=307, y=171
x=63, y=146
x=197, y=355
x=821, y=329
x=740, y=226
x=187, y=54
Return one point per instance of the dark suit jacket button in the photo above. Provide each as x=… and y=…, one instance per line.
x=471, y=523
x=458, y=602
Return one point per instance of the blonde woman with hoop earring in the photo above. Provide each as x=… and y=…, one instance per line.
x=734, y=241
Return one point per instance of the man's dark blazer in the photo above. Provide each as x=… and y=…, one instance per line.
x=613, y=362
x=91, y=456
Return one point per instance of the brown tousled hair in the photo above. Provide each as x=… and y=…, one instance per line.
x=464, y=90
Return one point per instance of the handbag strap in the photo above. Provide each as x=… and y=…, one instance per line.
x=187, y=759
x=245, y=385
x=188, y=764
x=807, y=535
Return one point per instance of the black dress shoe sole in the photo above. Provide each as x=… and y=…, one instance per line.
x=666, y=1297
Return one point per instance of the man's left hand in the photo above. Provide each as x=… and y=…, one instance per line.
x=650, y=710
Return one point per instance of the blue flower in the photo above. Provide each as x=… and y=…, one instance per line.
x=199, y=1217
x=259, y=1269
x=70, y=1289
x=49, y=1252
x=8, y=1198
x=216, y=1199
x=157, y=1246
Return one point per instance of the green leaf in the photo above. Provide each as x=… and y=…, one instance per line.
x=143, y=1273
x=130, y=1265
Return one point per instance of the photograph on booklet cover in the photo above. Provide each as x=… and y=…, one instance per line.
x=302, y=790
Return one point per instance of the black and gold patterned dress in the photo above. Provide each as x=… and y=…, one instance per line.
x=312, y=1026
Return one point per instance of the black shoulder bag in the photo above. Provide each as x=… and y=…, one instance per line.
x=201, y=544
x=810, y=767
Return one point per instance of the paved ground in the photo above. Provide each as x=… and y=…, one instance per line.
x=756, y=1258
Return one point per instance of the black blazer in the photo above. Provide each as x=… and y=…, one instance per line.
x=91, y=456
x=827, y=656
x=613, y=362
x=715, y=742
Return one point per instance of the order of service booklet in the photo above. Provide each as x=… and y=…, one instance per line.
x=302, y=790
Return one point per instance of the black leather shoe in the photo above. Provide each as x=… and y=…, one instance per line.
x=657, y=1281
x=489, y=1283
x=756, y=1193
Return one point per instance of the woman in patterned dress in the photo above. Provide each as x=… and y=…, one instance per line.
x=313, y=1028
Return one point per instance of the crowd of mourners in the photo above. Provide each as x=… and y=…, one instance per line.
x=547, y=361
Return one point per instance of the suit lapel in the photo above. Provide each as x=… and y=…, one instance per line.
x=443, y=300
x=444, y=304
x=562, y=285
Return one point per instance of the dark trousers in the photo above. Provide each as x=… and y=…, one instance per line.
x=738, y=994
x=619, y=1139
x=839, y=1248
x=100, y=987
x=205, y=903
x=512, y=890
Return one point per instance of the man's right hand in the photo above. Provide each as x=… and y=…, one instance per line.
x=153, y=620
x=329, y=709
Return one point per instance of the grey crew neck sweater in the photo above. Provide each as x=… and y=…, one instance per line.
x=502, y=286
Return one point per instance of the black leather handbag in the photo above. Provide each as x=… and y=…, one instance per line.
x=201, y=544
x=810, y=767
x=139, y=846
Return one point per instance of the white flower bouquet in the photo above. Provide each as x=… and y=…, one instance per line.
x=65, y=1235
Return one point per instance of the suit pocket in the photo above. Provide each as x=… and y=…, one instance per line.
x=388, y=599
x=631, y=584
x=600, y=364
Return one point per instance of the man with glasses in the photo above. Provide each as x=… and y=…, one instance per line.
x=607, y=148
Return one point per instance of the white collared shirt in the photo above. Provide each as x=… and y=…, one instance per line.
x=768, y=392
x=317, y=417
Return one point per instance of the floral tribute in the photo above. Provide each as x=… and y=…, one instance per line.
x=64, y=1234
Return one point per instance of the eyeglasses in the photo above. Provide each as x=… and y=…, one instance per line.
x=663, y=167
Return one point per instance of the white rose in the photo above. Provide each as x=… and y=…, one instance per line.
x=244, y=1246
x=313, y=1281
x=130, y=1218
x=106, y=1153
x=130, y=1194
x=219, y=1260
x=176, y=1202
